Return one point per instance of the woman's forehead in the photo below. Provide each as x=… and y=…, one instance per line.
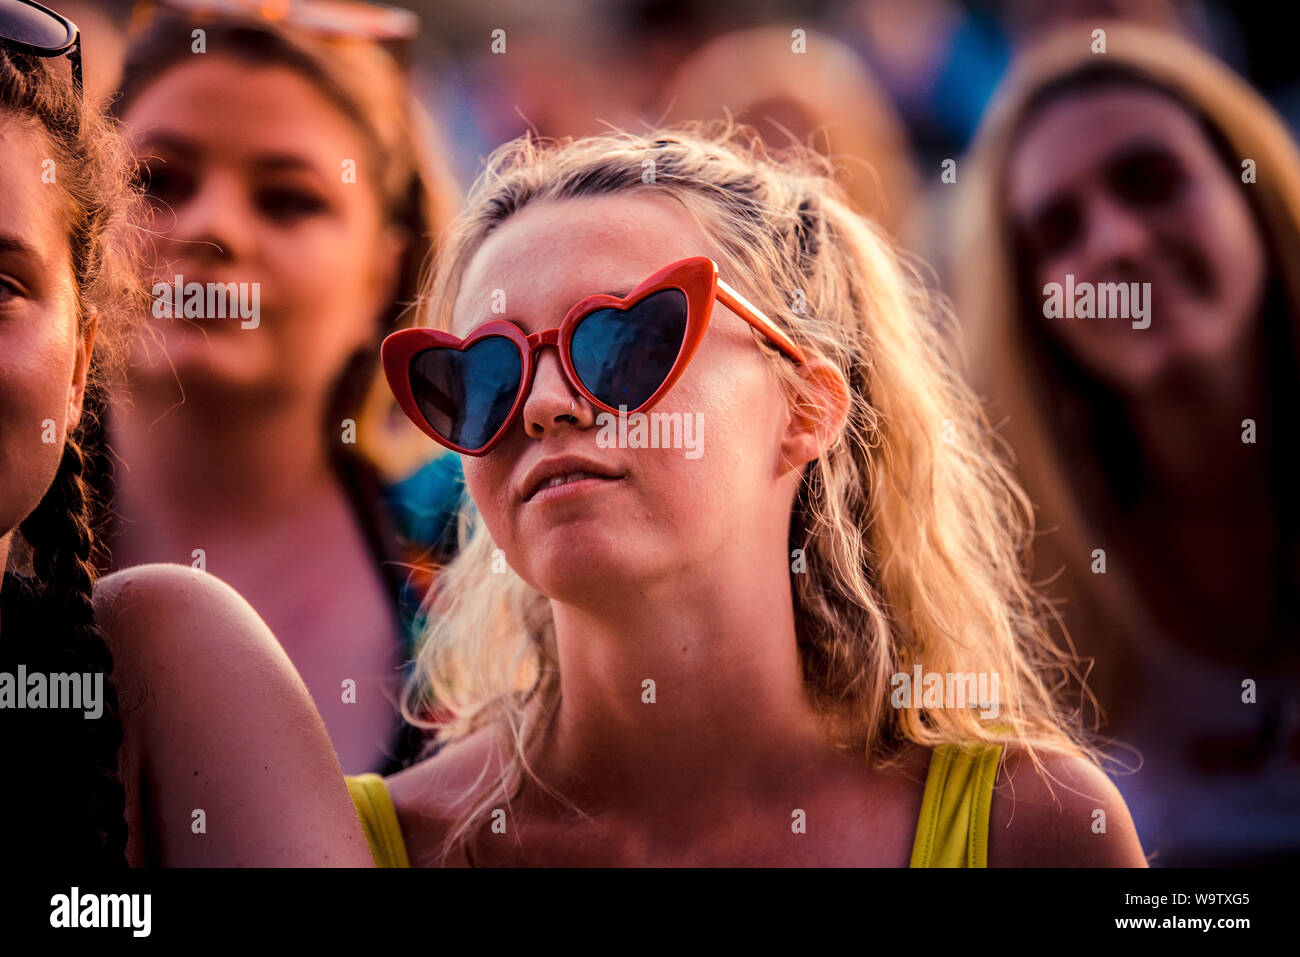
x=220, y=107
x=552, y=253
x=31, y=213
x=1075, y=134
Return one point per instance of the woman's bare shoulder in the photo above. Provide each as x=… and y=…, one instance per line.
x=1071, y=816
x=164, y=611
x=240, y=768
x=430, y=796
x=190, y=630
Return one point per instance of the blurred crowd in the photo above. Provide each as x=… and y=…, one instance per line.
x=1001, y=146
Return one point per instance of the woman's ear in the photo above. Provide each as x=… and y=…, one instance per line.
x=81, y=368
x=818, y=413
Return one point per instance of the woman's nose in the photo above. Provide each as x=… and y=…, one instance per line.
x=552, y=402
x=211, y=224
x=1116, y=238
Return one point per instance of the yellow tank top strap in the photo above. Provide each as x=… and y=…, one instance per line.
x=953, y=829
x=378, y=819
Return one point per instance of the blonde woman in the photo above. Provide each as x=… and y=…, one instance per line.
x=686, y=655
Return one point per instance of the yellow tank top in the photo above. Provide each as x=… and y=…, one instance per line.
x=952, y=831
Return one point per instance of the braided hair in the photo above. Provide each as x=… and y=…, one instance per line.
x=49, y=626
x=46, y=597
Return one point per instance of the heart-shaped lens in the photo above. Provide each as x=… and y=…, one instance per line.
x=623, y=356
x=466, y=396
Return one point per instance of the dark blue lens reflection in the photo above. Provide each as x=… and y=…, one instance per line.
x=624, y=356
x=466, y=396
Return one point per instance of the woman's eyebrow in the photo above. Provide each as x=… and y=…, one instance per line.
x=156, y=140
x=1025, y=220
x=1137, y=150
x=271, y=161
x=20, y=247
x=283, y=161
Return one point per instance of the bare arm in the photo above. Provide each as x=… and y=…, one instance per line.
x=216, y=720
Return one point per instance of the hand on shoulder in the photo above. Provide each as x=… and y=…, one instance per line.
x=223, y=745
x=1075, y=819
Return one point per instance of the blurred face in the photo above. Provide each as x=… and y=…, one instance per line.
x=1120, y=185
x=42, y=354
x=656, y=512
x=246, y=174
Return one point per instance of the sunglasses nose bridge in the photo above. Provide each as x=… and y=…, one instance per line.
x=550, y=337
x=538, y=341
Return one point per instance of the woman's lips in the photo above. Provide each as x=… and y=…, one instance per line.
x=564, y=468
x=570, y=486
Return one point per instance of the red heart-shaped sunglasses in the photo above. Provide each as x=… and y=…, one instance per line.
x=621, y=354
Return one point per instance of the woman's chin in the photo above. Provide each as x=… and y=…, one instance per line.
x=218, y=362
x=593, y=570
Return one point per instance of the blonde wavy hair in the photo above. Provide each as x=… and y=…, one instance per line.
x=910, y=525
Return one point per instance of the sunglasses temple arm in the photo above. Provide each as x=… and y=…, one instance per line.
x=754, y=316
x=74, y=57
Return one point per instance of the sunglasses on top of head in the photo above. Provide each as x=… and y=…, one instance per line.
x=28, y=27
x=621, y=354
x=330, y=21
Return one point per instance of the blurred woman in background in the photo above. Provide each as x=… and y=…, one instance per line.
x=1158, y=446
x=168, y=666
x=289, y=161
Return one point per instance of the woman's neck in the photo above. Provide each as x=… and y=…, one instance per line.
x=1206, y=523
x=180, y=471
x=1190, y=432
x=695, y=692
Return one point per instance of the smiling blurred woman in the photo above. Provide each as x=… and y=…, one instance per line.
x=1159, y=448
